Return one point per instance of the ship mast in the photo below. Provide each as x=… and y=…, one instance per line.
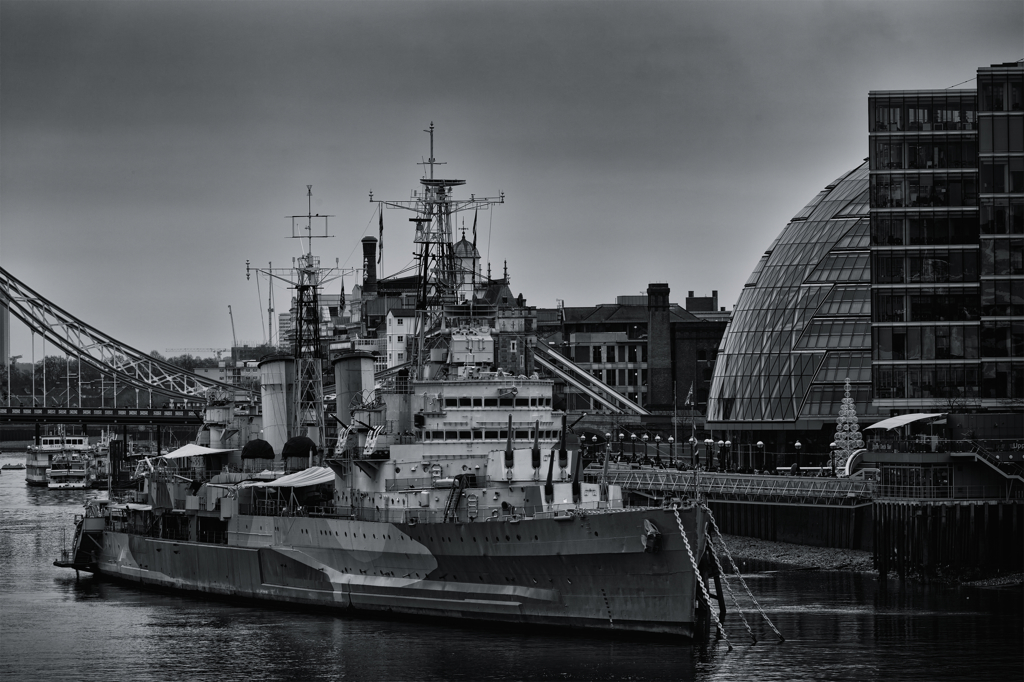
x=306, y=277
x=435, y=207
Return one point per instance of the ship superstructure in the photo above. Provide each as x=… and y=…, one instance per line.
x=58, y=451
x=453, y=489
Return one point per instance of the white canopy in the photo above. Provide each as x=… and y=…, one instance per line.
x=300, y=479
x=894, y=422
x=191, y=450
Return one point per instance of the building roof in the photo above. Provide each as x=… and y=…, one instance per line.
x=611, y=313
x=465, y=249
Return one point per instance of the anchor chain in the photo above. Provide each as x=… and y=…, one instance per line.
x=736, y=570
x=725, y=581
x=700, y=580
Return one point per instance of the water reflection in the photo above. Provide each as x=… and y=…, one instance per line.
x=840, y=626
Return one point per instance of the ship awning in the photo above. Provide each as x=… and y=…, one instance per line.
x=903, y=419
x=191, y=450
x=131, y=506
x=300, y=479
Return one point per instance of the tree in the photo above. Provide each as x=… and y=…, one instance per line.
x=847, y=437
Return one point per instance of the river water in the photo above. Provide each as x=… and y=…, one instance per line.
x=838, y=626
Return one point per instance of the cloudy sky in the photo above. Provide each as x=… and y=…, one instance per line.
x=148, y=149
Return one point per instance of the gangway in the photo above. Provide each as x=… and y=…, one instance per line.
x=569, y=372
x=75, y=338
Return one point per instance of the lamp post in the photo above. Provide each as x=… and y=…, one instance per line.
x=632, y=458
x=707, y=451
x=647, y=459
x=721, y=450
x=693, y=452
x=760, y=452
x=728, y=454
x=797, y=445
x=832, y=459
x=622, y=437
x=671, y=451
x=657, y=452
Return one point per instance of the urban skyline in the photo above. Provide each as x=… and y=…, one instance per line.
x=139, y=173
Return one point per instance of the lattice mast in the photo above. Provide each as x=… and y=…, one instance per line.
x=306, y=277
x=436, y=208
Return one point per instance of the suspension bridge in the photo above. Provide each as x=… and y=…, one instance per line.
x=116, y=363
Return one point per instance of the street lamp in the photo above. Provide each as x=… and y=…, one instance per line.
x=671, y=451
x=645, y=439
x=797, y=445
x=632, y=437
x=707, y=451
x=833, y=447
x=657, y=451
x=622, y=438
x=693, y=451
x=728, y=454
x=721, y=445
x=760, y=450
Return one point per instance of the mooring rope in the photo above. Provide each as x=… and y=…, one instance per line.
x=725, y=581
x=736, y=570
x=700, y=580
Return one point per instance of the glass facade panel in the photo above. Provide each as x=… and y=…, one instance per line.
x=804, y=302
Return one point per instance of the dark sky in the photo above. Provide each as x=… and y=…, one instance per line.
x=147, y=149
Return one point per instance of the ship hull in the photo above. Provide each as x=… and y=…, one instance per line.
x=587, y=572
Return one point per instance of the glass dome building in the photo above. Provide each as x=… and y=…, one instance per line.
x=802, y=324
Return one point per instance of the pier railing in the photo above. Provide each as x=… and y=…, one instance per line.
x=740, y=487
x=947, y=492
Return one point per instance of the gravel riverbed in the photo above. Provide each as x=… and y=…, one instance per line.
x=830, y=559
x=800, y=556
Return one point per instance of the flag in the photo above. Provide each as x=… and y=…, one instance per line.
x=689, y=396
x=474, y=229
x=341, y=301
x=380, y=239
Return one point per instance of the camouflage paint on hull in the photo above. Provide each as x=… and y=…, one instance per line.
x=587, y=571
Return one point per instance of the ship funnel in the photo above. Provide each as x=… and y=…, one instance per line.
x=369, y=265
x=277, y=388
x=353, y=374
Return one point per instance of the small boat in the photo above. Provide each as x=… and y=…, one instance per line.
x=18, y=465
x=69, y=471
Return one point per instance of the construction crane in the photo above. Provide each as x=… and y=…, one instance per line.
x=234, y=339
x=218, y=351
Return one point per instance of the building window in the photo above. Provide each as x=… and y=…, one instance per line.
x=401, y=321
x=401, y=339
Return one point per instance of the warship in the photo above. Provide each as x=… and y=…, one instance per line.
x=453, y=488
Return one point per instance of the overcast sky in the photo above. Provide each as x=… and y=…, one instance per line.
x=148, y=149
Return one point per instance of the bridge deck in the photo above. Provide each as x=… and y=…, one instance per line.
x=98, y=415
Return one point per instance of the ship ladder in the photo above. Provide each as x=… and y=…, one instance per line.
x=736, y=571
x=700, y=579
x=451, y=508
